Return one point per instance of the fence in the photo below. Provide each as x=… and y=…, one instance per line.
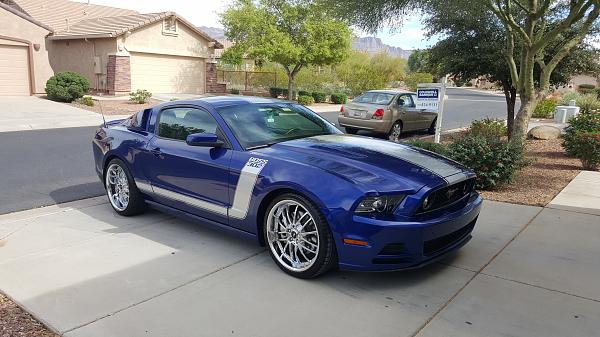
x=254, y=81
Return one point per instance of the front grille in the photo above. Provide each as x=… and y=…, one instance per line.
x=431, y=247
x=446, y=196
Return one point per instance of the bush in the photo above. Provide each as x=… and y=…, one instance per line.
x=320, y=97
x=586, y=88
x=412, y=80
x=495, y=161
x=87, y=100
x=234, y=91
x=545, y=108
x=67, y=86
x=303, y=93
x=429, y=146
x=582, y=139
x=306, y=100
x=277, y=92
x=140, y=96
x=493, y=128
x=338, y=98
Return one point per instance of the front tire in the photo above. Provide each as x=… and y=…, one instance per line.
x=298, y=237
x=431, y=129
x=123, y=194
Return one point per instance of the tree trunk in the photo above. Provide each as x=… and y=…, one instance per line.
x=510, y=94
x=290, y=95
x=528, y=104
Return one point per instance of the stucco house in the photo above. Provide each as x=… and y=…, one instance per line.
x=118, y=50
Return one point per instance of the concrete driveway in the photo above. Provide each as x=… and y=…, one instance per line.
x=19, y=113
x=85, y=271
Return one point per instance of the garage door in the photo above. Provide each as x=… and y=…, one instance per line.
x=167, y=74
x=14, y=70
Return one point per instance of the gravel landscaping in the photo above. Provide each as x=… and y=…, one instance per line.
x=15, y=322
x=116, y=107
x=537, y=184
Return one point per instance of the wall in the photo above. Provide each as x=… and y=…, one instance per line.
x=78, y=56
x=14, y=26
x=151, y=39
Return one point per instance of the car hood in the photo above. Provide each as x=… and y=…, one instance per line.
x=374, y=164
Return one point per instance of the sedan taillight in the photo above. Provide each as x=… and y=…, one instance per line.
x=378, y=114
x=342, y=110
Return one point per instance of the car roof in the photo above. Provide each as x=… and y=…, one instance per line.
x=394, y=92
x=223, y=101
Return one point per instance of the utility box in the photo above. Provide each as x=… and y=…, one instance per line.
x=97, y=65
x=563, y=113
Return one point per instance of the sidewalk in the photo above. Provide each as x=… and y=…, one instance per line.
x=84, y=271
x=21, y=113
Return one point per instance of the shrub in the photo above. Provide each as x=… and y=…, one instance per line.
x=303, y=93
x=413, y=79
x=582, y=139
x=494, y=128
x=320, y=97
x=588, y=103
x=545, y=108
x=140, y=96
x=67, y=86
x=339, y=98
x=275, y=92
x=586, y=88
x=429, y=146
x=306, y=100
x=87, y=100
x=495, y=161
x=234, y=91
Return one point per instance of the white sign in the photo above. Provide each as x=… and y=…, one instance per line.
x=428, y=99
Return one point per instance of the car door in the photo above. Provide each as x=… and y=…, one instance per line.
x=411, y=119
x=190, y=178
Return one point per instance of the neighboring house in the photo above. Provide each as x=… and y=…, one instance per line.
x=218, y=34
x=118, y=50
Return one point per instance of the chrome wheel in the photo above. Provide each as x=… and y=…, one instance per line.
x=395, y=132
x=117, y=187
x=293, y=235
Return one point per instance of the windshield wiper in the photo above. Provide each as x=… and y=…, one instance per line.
x=261, y=146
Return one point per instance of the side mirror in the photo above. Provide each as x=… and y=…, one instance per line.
x=203, y=139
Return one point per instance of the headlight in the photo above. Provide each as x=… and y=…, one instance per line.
x=385, y=204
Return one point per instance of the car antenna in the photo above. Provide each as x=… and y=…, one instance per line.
x=101, y=111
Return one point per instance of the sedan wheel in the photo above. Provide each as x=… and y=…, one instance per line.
x=122, y=193
x=298, y=238
x=395, y=132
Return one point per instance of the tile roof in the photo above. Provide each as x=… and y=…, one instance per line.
x=55, y=13
x=16, y=10
x=72, y=20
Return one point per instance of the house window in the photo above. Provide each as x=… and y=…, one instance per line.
x=170, y=26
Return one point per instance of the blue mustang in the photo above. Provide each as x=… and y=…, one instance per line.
x=279, y=173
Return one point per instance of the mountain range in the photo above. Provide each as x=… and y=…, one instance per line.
x=369, y=44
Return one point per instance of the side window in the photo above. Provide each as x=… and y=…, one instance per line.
x=405, y=101
x=178, y=123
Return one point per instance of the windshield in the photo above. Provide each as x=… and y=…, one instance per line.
x=256, y=125
x=379, y=98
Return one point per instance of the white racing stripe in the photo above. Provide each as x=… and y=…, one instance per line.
x=241, y=198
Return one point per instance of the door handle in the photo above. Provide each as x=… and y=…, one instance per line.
x=156, y=151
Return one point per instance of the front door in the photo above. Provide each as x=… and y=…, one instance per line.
x=190, y=178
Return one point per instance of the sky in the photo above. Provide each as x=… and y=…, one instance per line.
x=205, y=13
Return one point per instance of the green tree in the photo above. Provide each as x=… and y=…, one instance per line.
x=293, y=34
x=529, y=29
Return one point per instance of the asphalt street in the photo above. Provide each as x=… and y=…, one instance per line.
x=45, y=167
x=461, y=107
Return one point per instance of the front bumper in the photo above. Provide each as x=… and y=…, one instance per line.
x=406, y=245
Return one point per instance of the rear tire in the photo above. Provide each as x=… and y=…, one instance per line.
x=298, y=237
x=431, y=129
x=351, y=131
x=123, y=194
x=395, y=132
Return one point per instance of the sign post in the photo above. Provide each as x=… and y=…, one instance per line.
x=431, y=97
